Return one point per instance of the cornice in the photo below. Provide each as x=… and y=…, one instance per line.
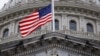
x=51, y=46
x=51, y=40
x=58, y=10
x=41, y=4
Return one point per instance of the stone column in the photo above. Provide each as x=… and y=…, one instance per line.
x=98, y=26
x=12, y=28
x=16, y=27
x=64, y=22
x=82, y=24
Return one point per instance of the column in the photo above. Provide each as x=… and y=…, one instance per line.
x=98, y=26
x=82, y=24
x=12, y=28
x=64, y=22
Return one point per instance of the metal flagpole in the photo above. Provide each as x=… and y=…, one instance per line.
x=53, y=16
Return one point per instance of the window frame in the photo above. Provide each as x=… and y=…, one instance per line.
x=56, y=24
x=90, y=26
x=6, y=32
x=73, y=25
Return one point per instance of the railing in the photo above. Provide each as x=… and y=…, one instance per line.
x=87, y=35
x=41, y=32
x=18, y=36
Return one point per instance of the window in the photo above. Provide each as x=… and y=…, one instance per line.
x=73, y=25
x=56, y=25
x=89, y=27
x=5, y=33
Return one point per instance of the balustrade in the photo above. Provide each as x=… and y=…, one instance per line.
x=41, y=32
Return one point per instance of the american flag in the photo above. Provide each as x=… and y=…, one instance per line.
x=38, y=18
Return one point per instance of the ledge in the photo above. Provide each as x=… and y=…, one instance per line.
x=53, y=42
x=30, y=5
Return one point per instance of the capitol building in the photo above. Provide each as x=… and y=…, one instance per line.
x=77, y=29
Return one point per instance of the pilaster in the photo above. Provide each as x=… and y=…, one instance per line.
x=82, y=24
x=64, y=22
x=98, y=26
x=12, y=28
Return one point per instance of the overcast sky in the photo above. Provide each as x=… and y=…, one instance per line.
x=2, y=2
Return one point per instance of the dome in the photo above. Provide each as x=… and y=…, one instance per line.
x=15, y=3
x=73, y=9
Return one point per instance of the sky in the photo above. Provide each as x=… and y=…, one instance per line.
x=2, y=2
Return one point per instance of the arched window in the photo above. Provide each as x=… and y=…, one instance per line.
x=73, y=25
x=89, y=27
x=5, y=32
x=56, y=24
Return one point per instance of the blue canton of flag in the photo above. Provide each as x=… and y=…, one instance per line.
x=44, y=11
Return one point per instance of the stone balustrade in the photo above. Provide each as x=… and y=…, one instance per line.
x=81, y=34
x=41, y=32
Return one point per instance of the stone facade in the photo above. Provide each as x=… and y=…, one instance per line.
x=80, y=11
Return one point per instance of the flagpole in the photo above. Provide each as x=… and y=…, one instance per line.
x=53, y=15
